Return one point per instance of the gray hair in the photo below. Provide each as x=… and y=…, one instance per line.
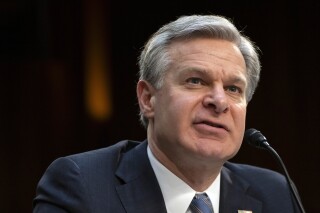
x=155, y=60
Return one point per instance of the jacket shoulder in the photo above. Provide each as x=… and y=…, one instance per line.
x=72, y=182
x=115, y=149
x=256, y=175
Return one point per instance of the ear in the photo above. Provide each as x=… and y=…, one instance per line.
x=146, y=99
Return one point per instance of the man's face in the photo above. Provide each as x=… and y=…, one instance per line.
x=199, y=112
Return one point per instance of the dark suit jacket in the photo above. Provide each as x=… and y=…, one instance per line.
x=120, y=179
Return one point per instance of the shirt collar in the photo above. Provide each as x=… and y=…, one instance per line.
x=176, y=193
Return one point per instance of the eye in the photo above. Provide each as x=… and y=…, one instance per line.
x=194, y=80
x=234, y=89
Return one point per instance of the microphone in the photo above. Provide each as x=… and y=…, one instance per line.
x=256, y=139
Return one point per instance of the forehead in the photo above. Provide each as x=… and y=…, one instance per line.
x=207, y=54
x=211, y=47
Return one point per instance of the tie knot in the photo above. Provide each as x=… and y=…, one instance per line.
x=201, y=204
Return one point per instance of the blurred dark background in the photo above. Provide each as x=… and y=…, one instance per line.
x=68, y=73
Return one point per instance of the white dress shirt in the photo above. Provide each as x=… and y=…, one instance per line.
x=176, y=193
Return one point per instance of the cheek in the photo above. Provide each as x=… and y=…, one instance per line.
x=239, y=112
x=177, y=110
x=166, y=106
x=177, y=102
x=239, y=117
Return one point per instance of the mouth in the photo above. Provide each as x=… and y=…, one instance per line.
x=213, y=124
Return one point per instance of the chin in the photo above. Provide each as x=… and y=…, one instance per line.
x=223, y=155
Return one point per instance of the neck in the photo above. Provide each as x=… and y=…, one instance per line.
x=198, y=174
x=198, y=179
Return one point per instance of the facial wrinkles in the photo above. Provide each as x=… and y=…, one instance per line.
x=208, y=47
x=213, y=75
x=212, y=58
x=181, y=105
x=212, y=62
x=226, y=66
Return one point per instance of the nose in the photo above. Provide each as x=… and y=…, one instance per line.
x=217, y=100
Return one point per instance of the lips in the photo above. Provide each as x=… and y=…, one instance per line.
x=213, y=124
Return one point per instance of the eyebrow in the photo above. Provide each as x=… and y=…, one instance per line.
x=233, y=79
x=238, y=79
x=196, y=70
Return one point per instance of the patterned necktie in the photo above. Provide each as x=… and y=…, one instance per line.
x=201, y=204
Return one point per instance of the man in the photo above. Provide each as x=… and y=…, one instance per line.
x=197, y=75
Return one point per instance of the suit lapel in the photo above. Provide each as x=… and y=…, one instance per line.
x=233, y=194
x=140, y=191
